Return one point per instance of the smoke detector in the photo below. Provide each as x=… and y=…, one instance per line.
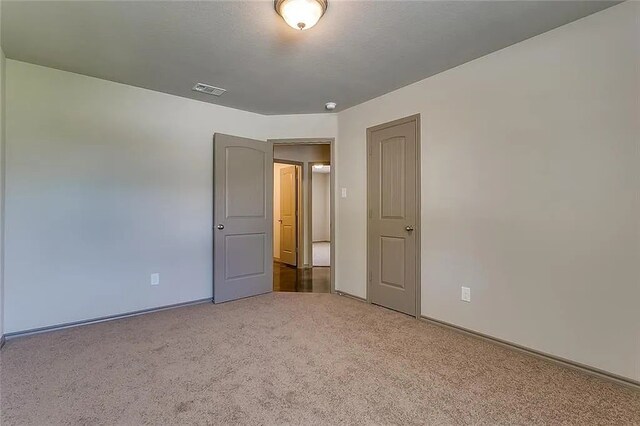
x=208, y=89
x=330, y=106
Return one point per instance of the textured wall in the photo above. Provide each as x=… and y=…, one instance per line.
x=530, y=179
x=108, y=183
x=321, y=207
x=2, y=174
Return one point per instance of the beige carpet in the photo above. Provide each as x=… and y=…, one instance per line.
x=289, y=358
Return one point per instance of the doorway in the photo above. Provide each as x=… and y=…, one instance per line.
x=302, y=207
x=393, y=224
x=287, y=187
x=320, y=207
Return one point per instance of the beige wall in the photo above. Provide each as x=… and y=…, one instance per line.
x=108, y=183
x=2, y=173
x=304, y=154
x=321, y=207
x=530, y=180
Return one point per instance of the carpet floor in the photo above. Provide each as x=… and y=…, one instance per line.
x=290, y=358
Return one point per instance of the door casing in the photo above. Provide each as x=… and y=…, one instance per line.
x=418, y=228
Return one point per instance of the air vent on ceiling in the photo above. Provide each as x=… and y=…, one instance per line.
x=209, y=90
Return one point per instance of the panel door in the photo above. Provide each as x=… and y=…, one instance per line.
x=393, y=210
x=243, y=217
x=288, y=216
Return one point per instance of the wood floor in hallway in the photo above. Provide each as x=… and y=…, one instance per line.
x=307, y=280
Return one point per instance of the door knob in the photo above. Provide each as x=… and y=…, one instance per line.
x=280, y=220
x=408, y=228
x=221, y=226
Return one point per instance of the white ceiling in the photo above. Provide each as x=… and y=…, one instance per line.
x=359, y=50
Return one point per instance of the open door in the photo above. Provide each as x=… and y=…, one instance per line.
x=243, y=218
x=288, y=216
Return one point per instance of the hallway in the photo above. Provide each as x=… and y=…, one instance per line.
x=308, y=280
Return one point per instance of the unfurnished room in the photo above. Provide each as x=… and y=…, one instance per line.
x=319, y=212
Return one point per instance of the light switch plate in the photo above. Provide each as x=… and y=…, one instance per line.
x=466, y=294
x=344, y=193
x=155, y=279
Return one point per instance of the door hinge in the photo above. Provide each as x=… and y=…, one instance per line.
x=370, y=213
x=369, y=276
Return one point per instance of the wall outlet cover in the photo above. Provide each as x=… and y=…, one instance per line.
x=155, y=279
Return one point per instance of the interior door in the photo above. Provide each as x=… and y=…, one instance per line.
x=243, y=217
x=393, y=211
x=288, y=217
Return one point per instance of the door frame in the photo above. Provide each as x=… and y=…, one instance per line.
x=331, y=143
x=310, y=206
x=418, y=228
x=299, y=207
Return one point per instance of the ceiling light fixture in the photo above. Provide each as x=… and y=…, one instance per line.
x=301, y=14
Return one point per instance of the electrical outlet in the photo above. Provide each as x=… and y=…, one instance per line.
x=155, y=279
x=466, y=294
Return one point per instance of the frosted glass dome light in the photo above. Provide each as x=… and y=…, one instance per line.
x=301, y=14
